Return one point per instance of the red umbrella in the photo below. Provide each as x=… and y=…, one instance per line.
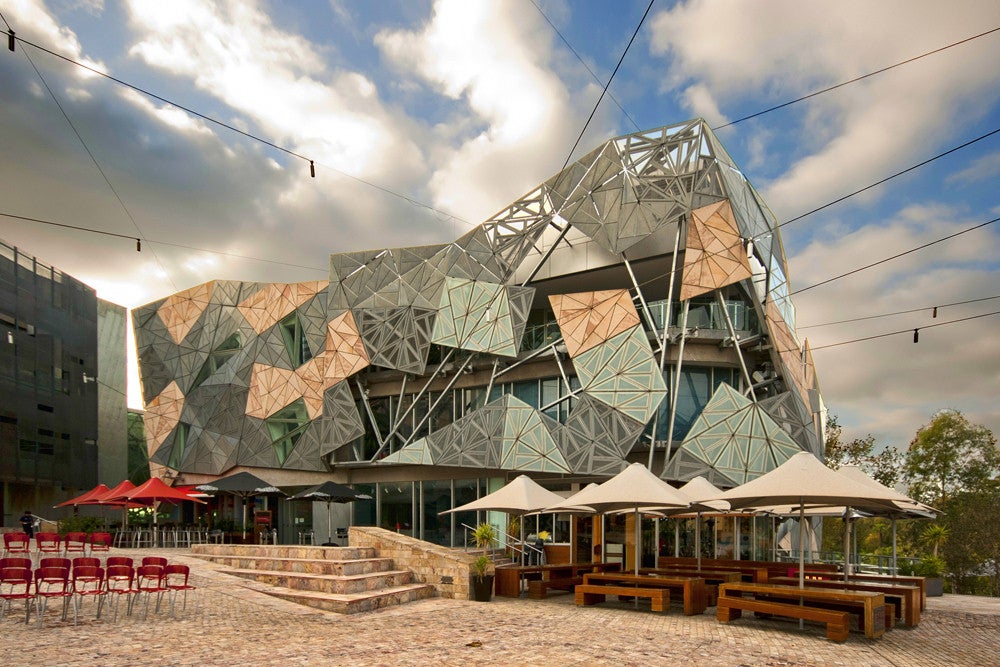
x=154, y=490
x=92, y=497
x=119, y=491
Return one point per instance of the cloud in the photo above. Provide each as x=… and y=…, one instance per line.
x=498, y=64
x=725, y=54
x=889, y=384
x=984, y=168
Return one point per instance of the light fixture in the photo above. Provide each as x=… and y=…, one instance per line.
x=10, y=39
x=10, y=337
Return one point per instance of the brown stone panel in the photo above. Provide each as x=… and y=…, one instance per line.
x=788, y=350
x=271, y=389
x=161, y=417
x=587, y=319
x=276, y=300
x=714, y=255
x=345, y=351
x=180, y=311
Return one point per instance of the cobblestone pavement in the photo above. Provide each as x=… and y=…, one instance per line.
x=234, y=624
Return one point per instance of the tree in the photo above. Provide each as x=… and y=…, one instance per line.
x=883, y=466
x=950, y=455
x=974, y=547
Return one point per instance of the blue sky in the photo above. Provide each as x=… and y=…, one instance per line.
x=466, y=105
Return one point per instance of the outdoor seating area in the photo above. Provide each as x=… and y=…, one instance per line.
x=72, y=581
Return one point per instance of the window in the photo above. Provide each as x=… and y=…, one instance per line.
x=286, y=426
x=295, y=340
x=180, y=445
x=218, y=357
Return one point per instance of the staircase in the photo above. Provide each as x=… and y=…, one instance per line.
x=346, y=580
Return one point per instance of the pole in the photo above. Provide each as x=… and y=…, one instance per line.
x=329, y=523
x=847, y=543
x=894, y=570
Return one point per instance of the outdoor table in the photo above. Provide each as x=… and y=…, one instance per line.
x=507, y=579
x=693, y=588
x=712, y=578
x=869, y=606
x=907, y=595
x=919, y=582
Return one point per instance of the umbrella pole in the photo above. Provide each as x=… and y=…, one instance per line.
x=802, y=557
x=847, y=543
x=894, y=570
x=329, y=523
x=244, y=519
x=697, y=537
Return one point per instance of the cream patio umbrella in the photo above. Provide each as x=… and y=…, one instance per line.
x=635, y=488
x=700, y=491
x=520, y=496
x=804, y=481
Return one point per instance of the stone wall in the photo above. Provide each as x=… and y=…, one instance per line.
x=445, y=569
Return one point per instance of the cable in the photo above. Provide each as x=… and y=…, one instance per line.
x=220, y=123
x=898, y=312
x=154, y=241
x=902, y=331
x=896, y=256
x=598, y=104
x=855, y=80
x=583, y=62
x=887, y=178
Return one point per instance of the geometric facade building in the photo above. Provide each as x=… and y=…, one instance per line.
x=584, y=326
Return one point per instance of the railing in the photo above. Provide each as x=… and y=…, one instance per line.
x=526, y=552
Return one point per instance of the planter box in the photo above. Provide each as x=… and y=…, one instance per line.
x=934, y=586
x=481, y=589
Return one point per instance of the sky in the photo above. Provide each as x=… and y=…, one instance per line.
x=423, y=118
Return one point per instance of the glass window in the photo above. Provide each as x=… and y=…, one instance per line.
x=435, y=498
x=396, y=502
x=180, y=445
x=286, y=427
x=295, y=340
x=692, y=395
x=550, y=394
x=218, y=357
x=527, y=392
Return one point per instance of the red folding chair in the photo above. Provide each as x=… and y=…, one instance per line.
x=15, y=584
x=16, y=543
x=175, y=580
x=88, y=581
x=86, y=561
x=154, y=560
x=149, y=580
x=74, y=543
x=118, y=560
x=120, y=580
x=48, y=543
x=52, y=583
x=16, y=562
x=57, y=561
x=100, y=542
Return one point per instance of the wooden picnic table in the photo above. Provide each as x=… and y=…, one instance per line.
x=712, y=578
x=767, y=599
x=919, y=582
x=507, y=579
x=908, y=596
x=693, y=588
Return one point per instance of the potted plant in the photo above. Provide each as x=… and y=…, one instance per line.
x=932, y=569
x=484, y=537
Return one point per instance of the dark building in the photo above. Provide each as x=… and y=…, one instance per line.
x=49, y=433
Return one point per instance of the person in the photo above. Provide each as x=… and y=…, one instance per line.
x=28, y=523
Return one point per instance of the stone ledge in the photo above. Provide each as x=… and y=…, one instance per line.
x=445, y=569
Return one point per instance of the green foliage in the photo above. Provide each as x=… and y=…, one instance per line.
x=481, y=566
x=80, y=524
x=930, y=567
x=950, y=455
x=484, y=536
x=884, y=465
x=934, y=536
x=973, y=547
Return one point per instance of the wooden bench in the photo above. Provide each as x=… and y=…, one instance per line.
x=868, y=605
x=538, y=588
x=692, y=588
x=712, y=578
x=588, y=594
x=838, y=623
x=905, y=598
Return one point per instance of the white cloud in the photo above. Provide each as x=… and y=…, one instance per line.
x=984, y=168
x=234, y=52
x=497, y=62
x=726, y=52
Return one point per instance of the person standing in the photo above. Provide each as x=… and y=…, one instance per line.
x=28, y=523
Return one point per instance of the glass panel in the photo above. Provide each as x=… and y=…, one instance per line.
x=436, y=498
x=527, y=392
x=180, y=444
x=286, y=426
x=692, y=395
x=550, y=393
x=295, y=340
x=363, y=511
x=397, y=507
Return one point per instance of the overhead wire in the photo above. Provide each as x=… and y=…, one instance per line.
x=249, y=135
x=902, y=331
x=896, y=256
x=910, y=311
x=584, y=63
x=856, y=79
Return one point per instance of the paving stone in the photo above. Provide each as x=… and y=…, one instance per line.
x=236, y=623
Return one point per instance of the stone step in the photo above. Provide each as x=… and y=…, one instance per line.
x=354, y=603
x=302, y=565
x=284, y=551
x=321, y=583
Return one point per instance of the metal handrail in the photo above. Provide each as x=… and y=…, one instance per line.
x=509, y=540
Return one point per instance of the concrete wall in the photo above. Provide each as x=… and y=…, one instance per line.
x=445, y=569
